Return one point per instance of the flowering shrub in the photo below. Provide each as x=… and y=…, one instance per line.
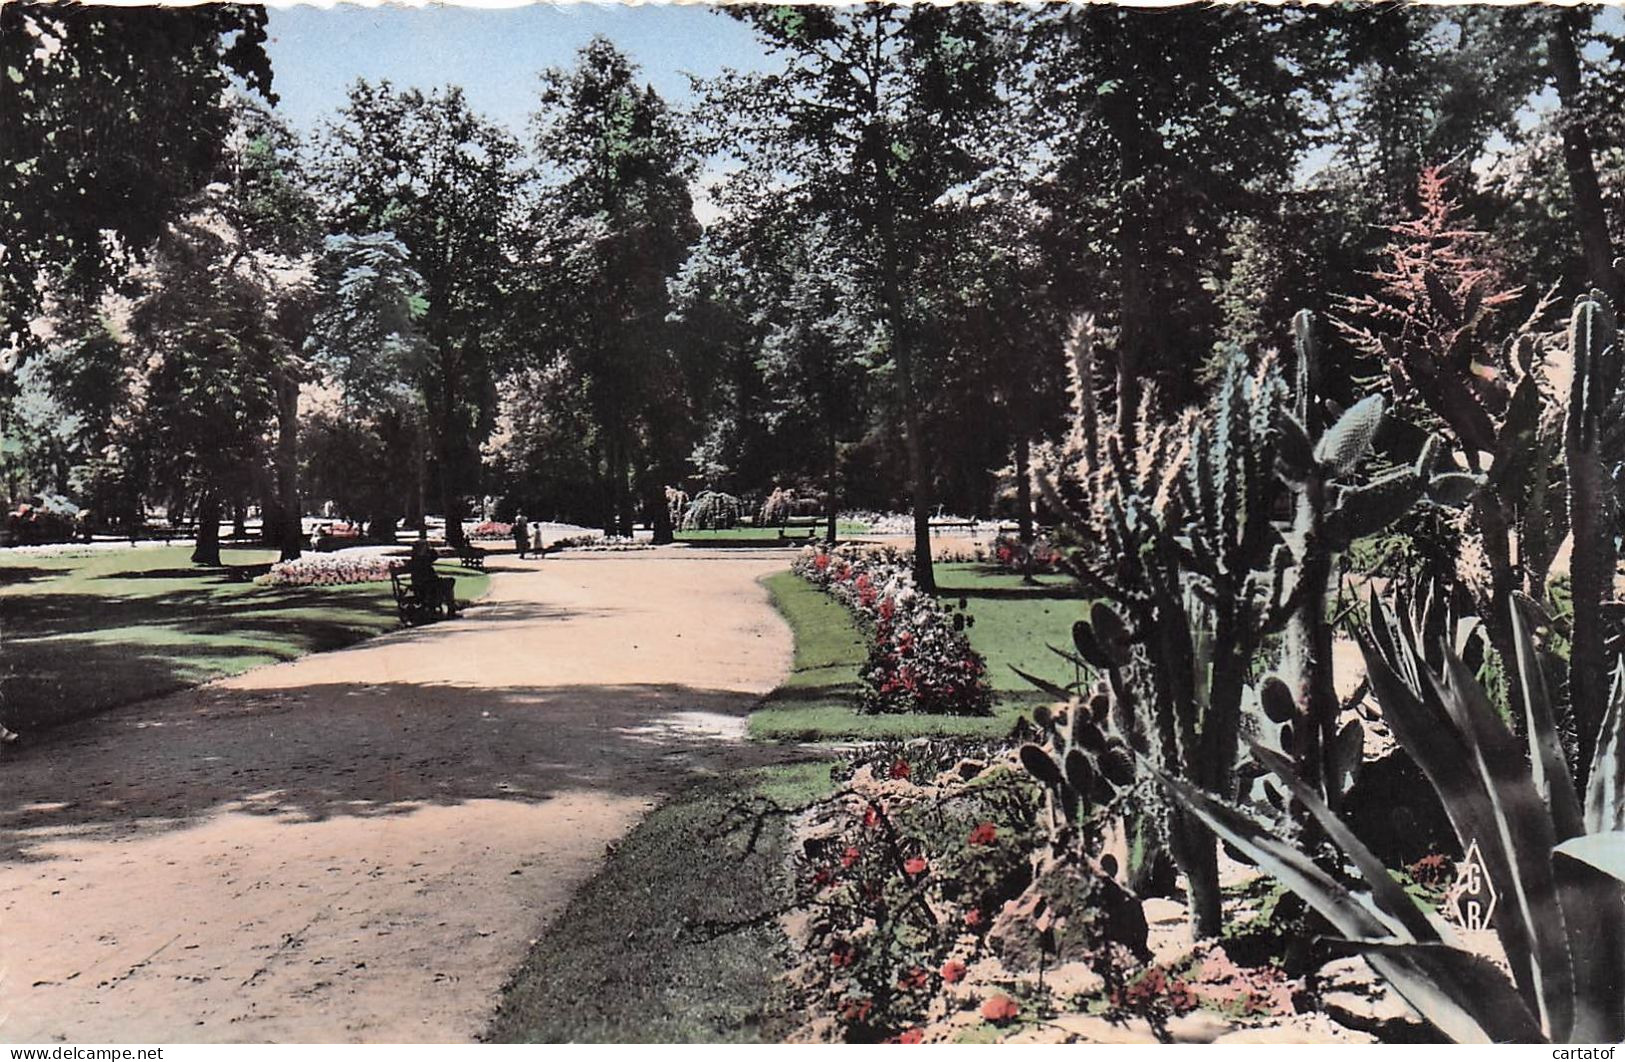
x=490, y=531
x=329, y=569
x=901, y=876
x=1010, y=552
x=919, y=657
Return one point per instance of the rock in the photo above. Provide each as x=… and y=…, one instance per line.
x=1073, y=979
x=1302, y=1029
x=1197, y=1027
x=1163, y=912
x=1063, y=916
x=1081, y=1028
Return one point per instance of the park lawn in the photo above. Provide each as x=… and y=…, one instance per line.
x=669, y=943
x=86, y=633
x=756, y=536
x=1014, y=625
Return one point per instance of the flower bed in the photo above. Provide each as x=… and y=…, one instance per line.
x=329, y=569
x=934, y=904
x=490, y=531
x=919, y=657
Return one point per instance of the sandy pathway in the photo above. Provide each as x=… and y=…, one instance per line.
x=359, y=846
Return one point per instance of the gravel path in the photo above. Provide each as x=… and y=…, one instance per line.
x=359, y=846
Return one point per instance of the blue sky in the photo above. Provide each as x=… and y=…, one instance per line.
x=494, y=55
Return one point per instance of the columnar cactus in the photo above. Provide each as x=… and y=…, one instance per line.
x=1593, y=448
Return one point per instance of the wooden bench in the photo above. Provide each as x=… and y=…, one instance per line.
x=471, y=557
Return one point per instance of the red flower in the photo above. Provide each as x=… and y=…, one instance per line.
x=850, y=856
x=842, y=955
x=912, y=1036
x=973, y=917
x=953, y=971
x=1001, y=1008
x=986, y=833
x=856, y=1010
x=900, y=769
x=822, y=878
x=915, y=866
x=871, y=817
x=915, y=978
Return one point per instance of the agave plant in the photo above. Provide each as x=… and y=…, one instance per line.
x=1554, y=855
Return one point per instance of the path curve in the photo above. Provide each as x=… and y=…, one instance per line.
x=359, y=845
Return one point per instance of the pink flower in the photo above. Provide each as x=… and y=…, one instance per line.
x=1000, y=1008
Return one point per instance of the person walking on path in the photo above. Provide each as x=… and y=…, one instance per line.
x=536, y=545
x=521, y=535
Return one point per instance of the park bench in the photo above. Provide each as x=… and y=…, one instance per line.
x=471, y=557
x=410, y=604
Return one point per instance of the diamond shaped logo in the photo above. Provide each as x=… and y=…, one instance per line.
x=1471, y=900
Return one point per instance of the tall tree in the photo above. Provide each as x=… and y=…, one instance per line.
x=206, y=333
x=1165, y=128
x=446, y=182
x=875, y=115
x=110, y=119
x=619, y=221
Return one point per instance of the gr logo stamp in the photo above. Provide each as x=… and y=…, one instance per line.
x=1471, y=900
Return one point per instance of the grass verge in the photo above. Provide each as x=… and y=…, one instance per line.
x=1015, y=625
x=636, y=956
x=90, y=632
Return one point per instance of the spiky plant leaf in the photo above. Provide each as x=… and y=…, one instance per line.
x=1605, y=787
x=1547, y=763
x=1431, y=718
x=1605, y=851
x=1391, y=899
x=1465, y=995
x=1459, y=1006
x=1060, y=693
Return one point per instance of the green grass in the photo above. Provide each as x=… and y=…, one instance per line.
x=758, y=536
x=1014, y=625
x=90, y=632
x=639, y=955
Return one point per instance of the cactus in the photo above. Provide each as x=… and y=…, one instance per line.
x=1081, y=765
x=1196, y=573
x=1593, y=447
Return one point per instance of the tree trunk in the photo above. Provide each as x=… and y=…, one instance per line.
x=290, y=533
x=621, y=470
x=909, y=399
x=1564, y=62
x=659, y=515
x=832, y=484
x=207, y=549
x=1024, y=505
